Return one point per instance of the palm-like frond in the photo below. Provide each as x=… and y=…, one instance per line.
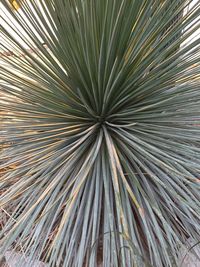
x=101, y=126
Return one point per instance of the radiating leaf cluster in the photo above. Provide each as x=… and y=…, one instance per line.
x=100, y=114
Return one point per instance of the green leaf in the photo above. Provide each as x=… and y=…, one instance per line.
x=99, y=128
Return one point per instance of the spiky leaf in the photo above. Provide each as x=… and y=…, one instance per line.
x=100, y=131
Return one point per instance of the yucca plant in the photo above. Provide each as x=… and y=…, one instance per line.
x=100, y=131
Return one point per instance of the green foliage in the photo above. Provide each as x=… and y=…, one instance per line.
x=101, y=157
